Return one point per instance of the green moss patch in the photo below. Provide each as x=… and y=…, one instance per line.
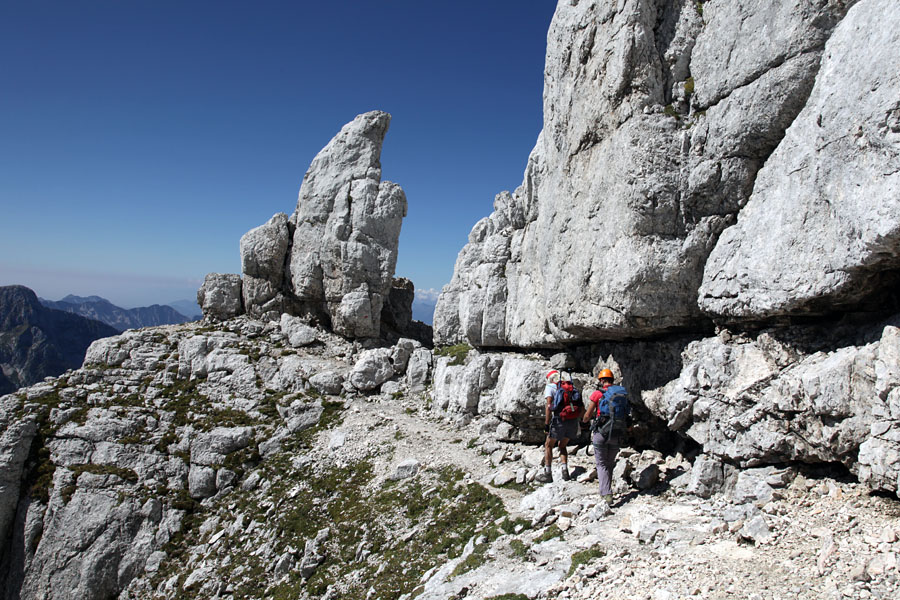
x=551, y=532
x=457, y=353
x=585, y=556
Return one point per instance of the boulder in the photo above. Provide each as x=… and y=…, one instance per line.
x=406, y=469
x=220, y=296
x=373, y=368
x=401, y=353
x=707, y=476
x=212, y=447
x=327, y=382
x=263, y=255
x=297, y=332
x=418, y=369
x=201, y=481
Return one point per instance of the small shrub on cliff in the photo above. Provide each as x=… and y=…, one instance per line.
x=457, y=353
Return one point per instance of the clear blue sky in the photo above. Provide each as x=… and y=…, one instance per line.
x=140, y=139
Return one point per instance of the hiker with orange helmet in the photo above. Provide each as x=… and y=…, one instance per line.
x=562, y=409
x=609, y=407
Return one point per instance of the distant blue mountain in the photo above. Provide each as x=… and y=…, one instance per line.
x=101, y=309
x=38, y=342
x=189, y=308
x=423, y=306
x=73, y=299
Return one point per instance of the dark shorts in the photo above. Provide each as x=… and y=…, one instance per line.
x=563, y=430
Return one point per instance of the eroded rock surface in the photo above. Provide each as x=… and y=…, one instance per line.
x=657, y=120
x=822, y=228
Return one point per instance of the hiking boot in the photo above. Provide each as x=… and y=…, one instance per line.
x=565, y=473
x=607, y=498
x=545, y=476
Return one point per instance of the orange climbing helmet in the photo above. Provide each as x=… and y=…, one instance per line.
x=605, y=374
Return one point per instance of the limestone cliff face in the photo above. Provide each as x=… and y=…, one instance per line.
x=658, y=117
x=730, y=164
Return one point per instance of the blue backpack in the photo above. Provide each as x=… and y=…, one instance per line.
x=612, y=412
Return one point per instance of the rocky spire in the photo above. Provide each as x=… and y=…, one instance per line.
x=333, y=260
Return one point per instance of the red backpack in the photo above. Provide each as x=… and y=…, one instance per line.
x=567, y=401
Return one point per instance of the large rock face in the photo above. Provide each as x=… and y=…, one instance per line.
x=656, y=122
x=732, y=164
x=822, y=228
x=333, y=260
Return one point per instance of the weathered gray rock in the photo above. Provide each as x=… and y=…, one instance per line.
x=297, y=332
x=757, y=400
x=756, y=529
x=86, y=545
x=327, y=382
x=333, y=260
x=752, y=487
x=263, y=264
x=201, y=481
x=220, y=296
x=313, y=554
x=458, y=388
x=15, y=443
x=707, y=476
x=406, y=469
x=211, y=448
x=373, y=368
x=401, y=353
x=396, y=314
x=346, y=229
x=418, y=369
x=301, y=415
x=823, y=225
x=646, y=189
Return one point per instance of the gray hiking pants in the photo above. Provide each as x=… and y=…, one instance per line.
x=605, y=459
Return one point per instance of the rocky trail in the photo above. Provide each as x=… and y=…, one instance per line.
x=810, y=536
x=189, y=461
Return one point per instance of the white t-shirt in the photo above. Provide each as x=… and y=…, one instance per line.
x=549, y=390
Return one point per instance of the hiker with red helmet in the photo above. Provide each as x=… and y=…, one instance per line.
x=609, y=406
x=562, y=409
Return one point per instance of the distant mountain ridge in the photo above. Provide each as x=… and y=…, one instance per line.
x=188, y=308
x=424, y=304
x=37, y=341
x=101, y=309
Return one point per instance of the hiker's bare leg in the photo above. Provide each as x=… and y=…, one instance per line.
x=563, y=451
x=548, y=451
